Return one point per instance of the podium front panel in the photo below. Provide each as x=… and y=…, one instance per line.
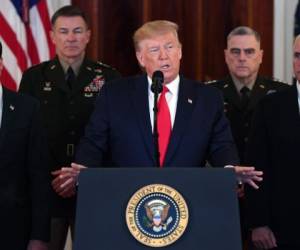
x=210, y=194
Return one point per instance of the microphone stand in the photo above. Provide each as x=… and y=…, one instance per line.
x=156, y=88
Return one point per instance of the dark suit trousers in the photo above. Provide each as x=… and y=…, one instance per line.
x=59, y=232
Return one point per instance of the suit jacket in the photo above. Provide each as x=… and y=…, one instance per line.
x=273, y=147
x=239, y=116
x=120, y=126
x=65, y=111
x=24, y=176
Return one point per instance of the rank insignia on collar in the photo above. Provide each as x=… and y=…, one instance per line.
x=47, y=86
x=53, y=67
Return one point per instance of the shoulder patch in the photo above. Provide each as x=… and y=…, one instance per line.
x=278, y=80
x=211, y=81
x=273, y=79
x=104, y=65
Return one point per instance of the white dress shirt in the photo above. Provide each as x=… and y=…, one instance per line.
x=171, y=97
x=298, y=90
x=1, y=103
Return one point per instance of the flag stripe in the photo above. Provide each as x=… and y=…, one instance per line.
x=9, y=81
x=10, y=38
x=42, y=7
x=39, y=34
x=11, y=15
x=10, y=63
x=31, y=47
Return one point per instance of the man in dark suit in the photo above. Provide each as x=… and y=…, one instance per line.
x=66, y=87
x=122, y=122
x=274, y=142
x=24, y=176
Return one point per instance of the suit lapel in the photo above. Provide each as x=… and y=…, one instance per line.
x=141, y=105
x=185, y=106
x=8, y=114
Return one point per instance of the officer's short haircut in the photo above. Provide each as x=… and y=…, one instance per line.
x=0, y=49
x=68, y=11
x=243, y=31
x=153, y=29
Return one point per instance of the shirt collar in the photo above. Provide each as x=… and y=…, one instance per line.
x=298, y=89
x=75, y=66
x=240, y=85
x=172, y=86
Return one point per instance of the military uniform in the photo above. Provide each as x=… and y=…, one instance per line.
x=65, y=110
x=239, y=115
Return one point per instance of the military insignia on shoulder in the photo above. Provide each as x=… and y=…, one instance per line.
x=157, y=215
x=280, y=81
x=103, y=64
x=209, y=82
x=95, y=86
x=277, y=80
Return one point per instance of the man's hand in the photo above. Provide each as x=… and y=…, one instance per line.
x=65, y=181
x=248, y=175
x=263, y=238
x=37, y=245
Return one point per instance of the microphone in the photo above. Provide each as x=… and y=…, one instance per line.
x=157, y=82
x=156, y=88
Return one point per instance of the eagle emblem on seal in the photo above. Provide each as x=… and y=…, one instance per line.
x=157, y=215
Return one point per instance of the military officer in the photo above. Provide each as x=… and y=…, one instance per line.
x=66, y=88
x=242, y=90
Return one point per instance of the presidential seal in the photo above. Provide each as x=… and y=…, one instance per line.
x=157, y=215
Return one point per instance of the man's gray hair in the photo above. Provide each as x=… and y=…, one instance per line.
x=243, y=31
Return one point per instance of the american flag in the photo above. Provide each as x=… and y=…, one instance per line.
x=24, y=34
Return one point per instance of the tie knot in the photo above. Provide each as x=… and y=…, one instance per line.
x=245, y=91
x=165, y=90
x=70, y=74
